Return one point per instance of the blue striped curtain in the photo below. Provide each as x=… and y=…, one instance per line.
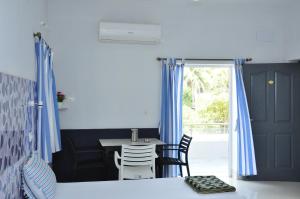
x=48, y=128
x=171, y=109
x=246, y=155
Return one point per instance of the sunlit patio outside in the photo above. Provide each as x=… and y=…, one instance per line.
x=205, y=118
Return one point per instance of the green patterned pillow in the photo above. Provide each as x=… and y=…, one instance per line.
x=208, y=184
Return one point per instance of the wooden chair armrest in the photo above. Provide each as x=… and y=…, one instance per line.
x=170, y=147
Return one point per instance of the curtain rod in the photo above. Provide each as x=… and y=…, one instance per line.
x=193, y=59
x=37, y=34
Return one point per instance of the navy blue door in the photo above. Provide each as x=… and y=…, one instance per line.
x=273, y=92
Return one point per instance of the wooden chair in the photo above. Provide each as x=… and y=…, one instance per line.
x=79, y=163
x=182, y=149
x=137, y=162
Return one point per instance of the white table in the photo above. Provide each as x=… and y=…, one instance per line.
x=111, y=145
x=119, y=142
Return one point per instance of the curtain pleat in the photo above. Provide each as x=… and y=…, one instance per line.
x=48, y=128
x=171, y=109
x=246, y=154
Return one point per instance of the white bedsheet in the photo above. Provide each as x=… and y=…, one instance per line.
x=165, y=188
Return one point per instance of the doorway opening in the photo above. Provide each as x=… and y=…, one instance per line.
x=206, y=107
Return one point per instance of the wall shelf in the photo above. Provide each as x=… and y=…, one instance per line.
x=62, y=106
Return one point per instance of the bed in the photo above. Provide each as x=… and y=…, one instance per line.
x=163, y=188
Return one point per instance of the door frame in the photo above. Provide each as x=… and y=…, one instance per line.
x=232, y=137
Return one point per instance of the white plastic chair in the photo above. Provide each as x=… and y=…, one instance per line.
x=137, y=162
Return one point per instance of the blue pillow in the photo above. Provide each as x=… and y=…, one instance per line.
x=27, y=192
x=38, y=178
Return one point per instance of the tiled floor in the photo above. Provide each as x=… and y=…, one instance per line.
x=209, y=166
x=208, y=154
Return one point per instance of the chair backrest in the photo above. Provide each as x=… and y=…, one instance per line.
x=184, y=144
x=138, y=157
x=68, y=145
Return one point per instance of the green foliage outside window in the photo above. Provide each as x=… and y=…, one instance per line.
x=187, y=97
x=205, y=95
x=216, y=112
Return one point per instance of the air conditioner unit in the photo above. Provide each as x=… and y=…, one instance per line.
x=129, y=33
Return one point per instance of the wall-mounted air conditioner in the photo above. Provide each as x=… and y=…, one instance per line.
x=129, y=33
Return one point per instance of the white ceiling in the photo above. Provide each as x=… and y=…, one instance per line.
x=270, y=2
x=243, y=1
x=265, y=3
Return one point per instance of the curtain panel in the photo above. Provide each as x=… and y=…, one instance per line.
x=48, y=127
x=171, y=109
x=245, y=147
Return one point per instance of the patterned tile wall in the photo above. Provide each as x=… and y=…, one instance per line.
x=17, y=131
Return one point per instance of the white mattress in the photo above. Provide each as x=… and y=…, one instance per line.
x=165, y=188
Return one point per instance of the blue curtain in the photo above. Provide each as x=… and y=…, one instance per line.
x=246, y=155
x=171, y=108
x=48, y=127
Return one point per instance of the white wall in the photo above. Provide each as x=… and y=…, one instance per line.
x=18, y=20
x=118, y=85
x=293, y=33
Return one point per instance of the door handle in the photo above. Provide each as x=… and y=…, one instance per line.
x=271, y=82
